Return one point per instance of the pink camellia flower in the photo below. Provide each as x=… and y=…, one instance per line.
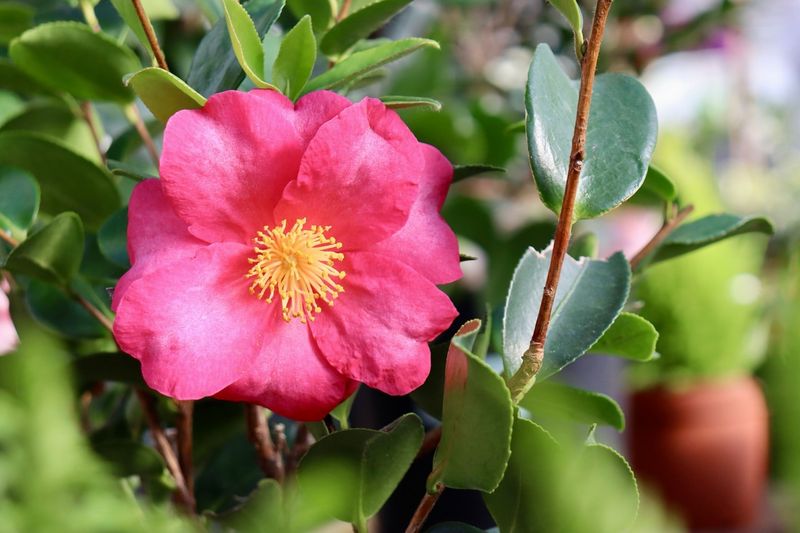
x=266, y=215
x=8, y=334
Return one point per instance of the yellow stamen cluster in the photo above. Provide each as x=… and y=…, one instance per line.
x=298, y=264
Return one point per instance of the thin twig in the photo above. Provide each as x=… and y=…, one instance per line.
x=135, y=118
x=533, y=356
x=343, y=11
x=163, y=446
x=302, y=442
x=185, y=426
x=151, y=34
x=424, y=509
x=258, y=433
x=658, y=238
x=94, y=311
x=9, y=239
x=86, y=110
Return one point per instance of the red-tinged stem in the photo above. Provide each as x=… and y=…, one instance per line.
x=668, y=227
x=184, y=426
x=135, y=118
x=258, y=433
x=151, y=34
x=424, y=509
x=86, y=110
x=521, y=381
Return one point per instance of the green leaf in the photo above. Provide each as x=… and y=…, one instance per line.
x=68, y=56
x=615, y=477
x=359, y=63
x=590, y=295
x=359, y=25
x=477, y=415
x=112, y=238
x=69, y=182
x=51, y=307
x=246, y=42
x=320, y=11
x=262, y=511
x=116, y=367
x=462, y=172
x=657, y=187
x=215, y=67
x=698, y=233
x=296, y=58
x=342, y=411
x=51, y=254
x=550, y=399
x=12, y=78
x=19, y=199
x=371, y=463
x=405, y=102
x=572, y=12
x=630, y=336
x=15, y=18
x=583, y=246
x=620, y=137
x=155, y=10
x=133, y=172
x=163, y=93
x=129, y=458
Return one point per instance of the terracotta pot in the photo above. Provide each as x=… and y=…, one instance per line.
x=704, y=449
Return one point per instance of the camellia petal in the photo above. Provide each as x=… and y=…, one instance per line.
x=193, y=324
x=378, y=329
x=156, y=236
x=359, y=175
x=314, y=387
x=426, y=243
x=8, y=334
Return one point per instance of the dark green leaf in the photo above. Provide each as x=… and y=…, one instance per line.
x=133, y=172
x=68, y=56
x=707, y=230
x=404, y=102
x=620, y=137
x=51, y=254
x=657, y=185
x=214, y=66
x=371, y=464
x=359, y=63
x=69, y=182
x=551, y=399
x=359, y=24
x=51, y=307
x=453, y=527
x=19, y=199
x=320, y=11
x=112, y=238
x=115, y=367
x=246, y=42
x=477, y=415
x=15, y=18
x=129, y=458
x=296, y=58
x=630, y=336
x=163, y=93
x=12, y=78
x=590, y=295
x=462, y=172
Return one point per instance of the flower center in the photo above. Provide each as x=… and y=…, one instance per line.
x=298, y=264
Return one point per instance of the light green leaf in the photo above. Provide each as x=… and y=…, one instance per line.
x=477, y=415
x=15, y=18
x=620, y=138
x=155, y=10
x=657, y=187
x=359, y=25
x=51, y=254
x=590, y=295
x=69, y=56
x=696, y=234
x=215, y=66
x=356, y=65
x=630, y=336
x=163, y=93
x=342, y=411
x=320, y=11
x=572, y=12
x=262, y=511
x=19, y=199
x=550, y=399
x=371, y=464
x=69, y=182
x=296, y=58
x=404, y=102
x=246, y=42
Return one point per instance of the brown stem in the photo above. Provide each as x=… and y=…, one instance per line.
x=184, y=426
x=86, y=110
x=258, y=433
x=659, y=237
x=136, y=119
x=302, y=443
x=533, y=356
x=94, y=311
x=9, y=239
x=424, y=509
x=343, y=11
x=183, y=496
x=151, y=34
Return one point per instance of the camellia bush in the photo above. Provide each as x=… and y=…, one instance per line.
x=221, y=297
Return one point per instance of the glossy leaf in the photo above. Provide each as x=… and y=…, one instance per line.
x=69, y=182
x=462, y=172
x=405, y=102
x=359, y=25
x=320, y=11
x=155, y=9
x=657, y=186
x=630, y=336
x=68, y=56
x=246, y=42
x=696, y=234
x=590, y=295
x=15, y=18
x=477, y=415
x=372, y=463
x=296, y=58
x=116, y=367
x=163, y=93
x=359, y=63
x=572, y=12
x=19, y=199
x=215, y=67
x=620, y=137
x=51, y=254
x=550, y=399
x=112, y=238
